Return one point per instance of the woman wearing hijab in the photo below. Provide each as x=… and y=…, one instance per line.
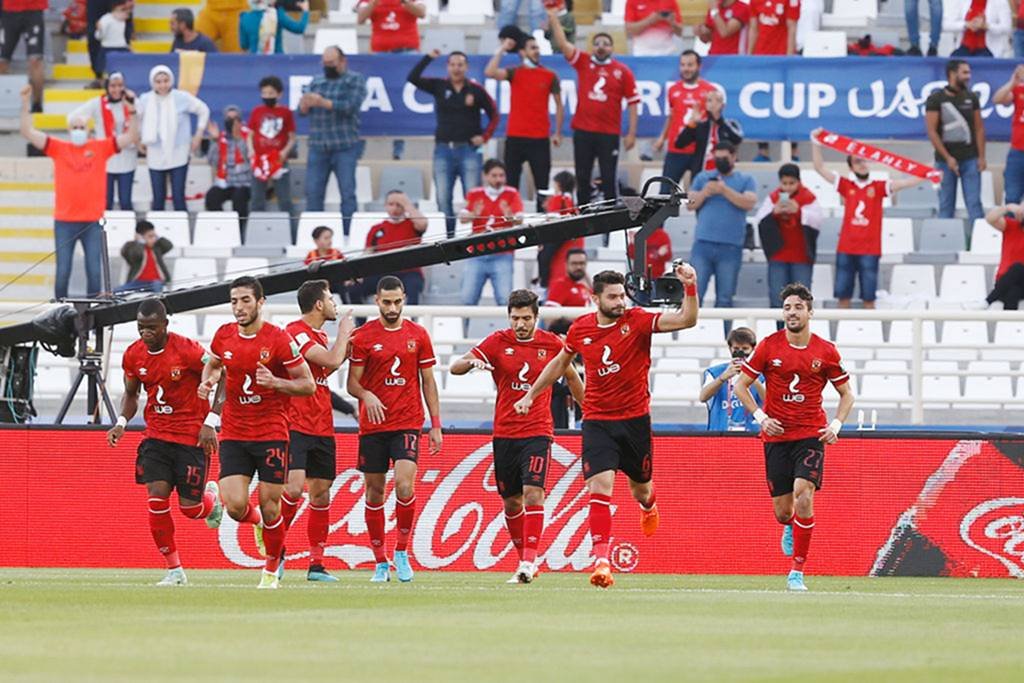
x=111, y=118
x=167, y=136
x=260, y=29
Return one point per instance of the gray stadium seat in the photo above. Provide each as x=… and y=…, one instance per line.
x=918, y=197
x=10, y=95
x=482, y=327
x=939, y=240
x=828, y=239
x=752, y=283
x=408, y=180
x=767, y=179
x=447, y=40
x=681, y=230
x=268, y=228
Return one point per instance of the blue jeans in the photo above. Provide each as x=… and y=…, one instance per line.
x=123, y=183
x=159, y=181
x=90, y=234
x=674, y=167
x=1013, y=177
x=454, y=160
x=342, y=162
x=155, y=286
x=914, y=21
x=850, y=267
x=497, y=267
x=970, y=181
x=781, y=274
x=508, y=11
x=1018, y=43
x=721, y=260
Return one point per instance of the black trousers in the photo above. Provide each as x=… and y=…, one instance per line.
x=537, y=153
x=239, y=198
x=1009, y=288
x=604, y=148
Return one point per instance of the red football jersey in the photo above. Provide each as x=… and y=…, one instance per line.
x=1012, y=250
x=311, y=414
x=568, y=292
x=771, y=17
x=1017, y=123
x=393, y=28
x=271, y=127
x=532, y=89
x=391, y=362
x=659, y=250
x=730, y=45
x=517, y=365
x=600, y=90
x=794, y=379
x=682, y=97
x=862, y=217
x=494, y=209
x=391, y=234
x=252, y=412
x=617, y=359
x=170, y=377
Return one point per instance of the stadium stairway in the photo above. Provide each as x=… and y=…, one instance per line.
x=26, y=230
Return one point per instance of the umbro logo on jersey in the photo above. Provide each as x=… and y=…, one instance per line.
x=776, y=362
x=378, y=347
x=228, y=355
x=142, y=371
x=587, y=341
x=509, y=351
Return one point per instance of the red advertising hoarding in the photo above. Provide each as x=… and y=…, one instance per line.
x=888, y=506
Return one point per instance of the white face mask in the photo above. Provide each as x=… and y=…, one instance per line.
x=79, y=136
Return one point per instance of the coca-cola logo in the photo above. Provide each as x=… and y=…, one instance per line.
x=996, y=528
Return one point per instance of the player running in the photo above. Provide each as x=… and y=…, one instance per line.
x=390, y=364
x=522, y=444
x=263, y=368
x=796, y=365
x=311, y=445
x=169, y=366
x=615, y=343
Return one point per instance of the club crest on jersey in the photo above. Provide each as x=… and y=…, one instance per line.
x=871, y=193
x=410, y=345
x=542, y=353
x=816, y=365
x=175, y=374
x=624, y=330
x=264, y=354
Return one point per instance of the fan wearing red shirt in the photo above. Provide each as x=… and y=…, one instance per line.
x=323, y=238
x=271, y=141
x=615, y=343
x=723, y=27
x=551, y=255
x=1009, y=285
x=772, y=28
x=796, y=366
x=263, y=369
x=169, y=457
x=688, y=93
x=1012, y=92
x=655, y=27
x=391, y=363
x=393, y=24
x=515, y=358
x=403, y=227
x=602, y=83
x=659, y=251
x=572, y=288
x=311, y=446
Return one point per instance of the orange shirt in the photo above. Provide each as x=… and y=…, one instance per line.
x=80, y=178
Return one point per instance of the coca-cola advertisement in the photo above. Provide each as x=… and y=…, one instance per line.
x=888, y=506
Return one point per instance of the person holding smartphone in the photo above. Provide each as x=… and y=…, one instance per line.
x=655, y=27
x=725, y=411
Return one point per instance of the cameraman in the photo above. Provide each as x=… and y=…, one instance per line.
x=725, y=412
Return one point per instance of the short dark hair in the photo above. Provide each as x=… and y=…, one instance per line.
x=183, y=15
x=492, y=164
x=273, y=82
x=741, y=335
x=691, y=52
x=389, y=282
x=119, y=3
x=249, y=282
x=764, y=145
x=573, y=252
x=797, y=289
x=953, y=65
x=321, y=229
x=789, y=171
x=310, y=292
x=458, y=53
x=142, y=227
x=152, y=308
x=725, y=146
x=607, y=277
x=566, y=180
x=523, y=298
x=602, y=34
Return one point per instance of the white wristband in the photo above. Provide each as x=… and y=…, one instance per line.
x=212, y=420
x=760, y=416
x=835, y=425
x=122, y=422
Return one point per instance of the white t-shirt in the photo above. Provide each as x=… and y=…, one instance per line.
x=110, y=31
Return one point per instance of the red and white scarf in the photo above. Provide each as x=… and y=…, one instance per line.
x=845, y=145
x=267, y=166
x=222, y=155
x=109, y=126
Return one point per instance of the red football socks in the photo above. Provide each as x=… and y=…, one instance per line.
x=374, y=516
x=200, y=510
x=514, y=524
x=802, y=530
x=405, y=511
x=316, y=530
x=533, y=527
x=273, y=539
x=288, y=509
x=161, y=525
x=251, y=516
x=600, y=524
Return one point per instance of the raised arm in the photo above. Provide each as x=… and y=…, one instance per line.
x=685, y=316
x=558, y=34
x=416, y=75
x=364, y=10
x=996, y=216
x=819, y=161
x=35, y=137
x=903, y=183
x=492, y=70
x=131, y=134
x=552, y=371
x=1005, y=93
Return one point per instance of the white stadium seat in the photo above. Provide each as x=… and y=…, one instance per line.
x=173, y=225
x=849, y=332
x=961, y=340
x=825, y=44
x=217, y=229
x=992, y=382
x=120, y=228
x=345, y=38
x=189, y=272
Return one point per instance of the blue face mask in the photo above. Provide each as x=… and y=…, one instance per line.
x=79, y=136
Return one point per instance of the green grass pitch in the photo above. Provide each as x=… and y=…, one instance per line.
x=107, y=625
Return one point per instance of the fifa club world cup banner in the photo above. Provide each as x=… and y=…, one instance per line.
x=774, y=98
x=888, y=506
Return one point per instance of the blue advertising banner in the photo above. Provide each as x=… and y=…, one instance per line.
x=774, y=98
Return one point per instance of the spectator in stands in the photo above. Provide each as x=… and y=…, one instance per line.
x=167, y=138
x=1018, y=31
x=232, y=178
x=110, y=119
x=563, y=14
x=984, y=27
x=721, y=199
x=260, y=29
x=494, y=206
x=723, y=26
x=271, y=141
x=551, y=255
x=1009, y=285
x=725, y=412
x=458, y=137
x=658, y=254
x=219, y=20
x=860, y=237
x=79, y=183
x=788, y=221
x=764, y=152
x=655, y=27
x=94, y=10
x=186, y=38
x=323, y=238
x=144, y=255
x=602, y=84
x=772, y=28
x=1012, y=92
x=794, y=152
x=403, y=227
x=702, y=133
x=332, y=102
x=508, y=13
x=112, y=32
x=685, y=96
x=528, y=130
x=956, y=131
x=25, y=18
x=573, y=288
x=910, y=12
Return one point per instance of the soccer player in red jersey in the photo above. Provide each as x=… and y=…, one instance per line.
x=796, y=366
x=772, y=28
x=515, y=358
x=391, y=363
x=169, y=366
x=311, y=446
x=263, y=369
x=615, y=343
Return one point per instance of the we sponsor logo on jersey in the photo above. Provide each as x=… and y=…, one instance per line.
x=396, y=379
x=794, y=395
x=610, y=366
x=522, y=384
x=161, y=406
x=248, y=397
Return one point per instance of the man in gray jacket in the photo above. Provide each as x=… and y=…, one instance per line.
x=144, y=255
